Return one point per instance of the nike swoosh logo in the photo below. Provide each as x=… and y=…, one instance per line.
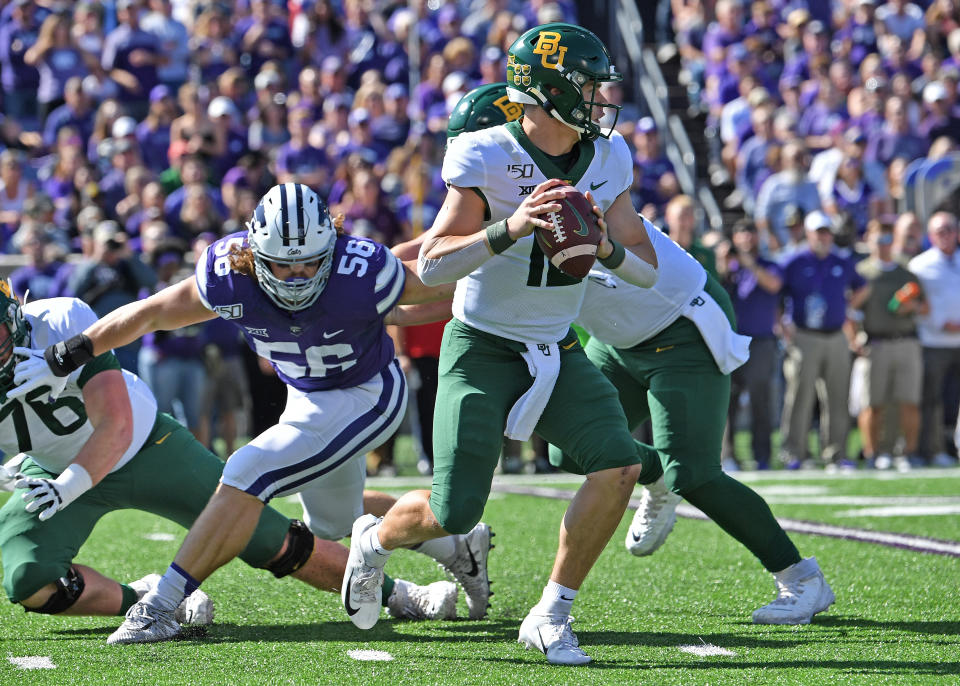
x=666, y=347
x=474, y=570
x=563, y=597
x=567, y=347
x=331, y=335
x=346, y=604
x=164, y=438
x=593, y=188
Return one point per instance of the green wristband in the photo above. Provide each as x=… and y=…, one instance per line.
x=498, y=237
x=614, y=259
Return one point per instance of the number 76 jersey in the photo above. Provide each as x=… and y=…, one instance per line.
x=339, y=341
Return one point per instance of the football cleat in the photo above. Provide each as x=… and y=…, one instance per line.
x=143, y=586
x=435, y=601
x=653, y=520
x=362, y=588
x=145, y=624
x=802, y=592
x=469, y=568
x=552, y=636
x=197, y=608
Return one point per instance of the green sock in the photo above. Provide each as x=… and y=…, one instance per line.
x=650, y=458
x=129, y=598
x=388, y=584
x=743, y=514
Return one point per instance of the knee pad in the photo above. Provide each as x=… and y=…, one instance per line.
x=298, y=551
x=69, y=588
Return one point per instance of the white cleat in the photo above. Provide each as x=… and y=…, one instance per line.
x=469, y=568
x=802, y=592
x=197, y=608
x=434, y=601
x=145, y=624
x=653, y=520
x=552, y=636
x=143, y=586
x=362, y=588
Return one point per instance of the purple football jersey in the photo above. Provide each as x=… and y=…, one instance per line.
x=339, y=341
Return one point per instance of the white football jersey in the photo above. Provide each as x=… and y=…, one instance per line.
x=518, y=294
x=622, y=315
x=53, y=433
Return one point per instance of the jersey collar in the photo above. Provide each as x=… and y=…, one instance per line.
x=545, y=164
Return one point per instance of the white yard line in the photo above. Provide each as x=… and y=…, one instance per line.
x=370, y=655
x=707, y=650
x=32, y=662
x=893, y=540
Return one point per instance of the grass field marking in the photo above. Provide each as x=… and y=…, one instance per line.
x=920, y=544
x=32, y=662
x=370, y=655
x=707, y=650
x=159, y=537
x=902, y=511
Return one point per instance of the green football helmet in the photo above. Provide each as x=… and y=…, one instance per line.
x=563, y=57
x=12, y=316
x=484, y=106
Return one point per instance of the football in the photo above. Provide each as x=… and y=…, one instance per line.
x=571, y=246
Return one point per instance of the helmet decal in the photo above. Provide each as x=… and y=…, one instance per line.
x=548, y=44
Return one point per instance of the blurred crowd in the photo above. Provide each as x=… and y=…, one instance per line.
x=815, y=112
x=135, y=132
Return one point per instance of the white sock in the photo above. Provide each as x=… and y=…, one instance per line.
x=374, y=554
x=556, y=600
x=443, y=550
x=173, y=587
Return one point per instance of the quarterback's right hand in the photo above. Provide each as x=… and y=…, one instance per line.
x=541, y=201
x=32, y=371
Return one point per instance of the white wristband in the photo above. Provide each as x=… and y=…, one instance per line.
x=636, y=271
x=73, y=482
x=452, y=266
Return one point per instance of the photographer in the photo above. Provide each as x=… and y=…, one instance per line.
x=753, y=283
x=110, y=277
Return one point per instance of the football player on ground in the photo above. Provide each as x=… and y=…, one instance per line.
x=102, y=446
x=669, y=350
x=512, y=314
x=314, y=303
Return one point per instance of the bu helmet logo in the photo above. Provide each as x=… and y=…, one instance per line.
x=511, y=110
x=548, y=45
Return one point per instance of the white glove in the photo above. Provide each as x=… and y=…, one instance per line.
x=55, y=494
x=32, y=371
x=9, y=472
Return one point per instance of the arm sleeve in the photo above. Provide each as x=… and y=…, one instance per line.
x=390, y=278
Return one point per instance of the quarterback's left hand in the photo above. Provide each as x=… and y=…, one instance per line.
x=54, y=494
x=32, y=371
x=604, y=249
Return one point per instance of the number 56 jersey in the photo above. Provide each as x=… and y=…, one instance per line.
x=338, y=342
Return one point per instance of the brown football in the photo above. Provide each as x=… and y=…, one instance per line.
x=571, y=246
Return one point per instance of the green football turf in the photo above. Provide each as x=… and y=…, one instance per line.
x=895, y=621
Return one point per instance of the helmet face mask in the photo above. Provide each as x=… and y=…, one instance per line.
x=13, y=331
x=560, y=67
x=291, y=226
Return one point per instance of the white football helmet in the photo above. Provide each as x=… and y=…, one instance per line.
x=291, y=225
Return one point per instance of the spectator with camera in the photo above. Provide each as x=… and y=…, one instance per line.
x=110, y=277
x=753, y=283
